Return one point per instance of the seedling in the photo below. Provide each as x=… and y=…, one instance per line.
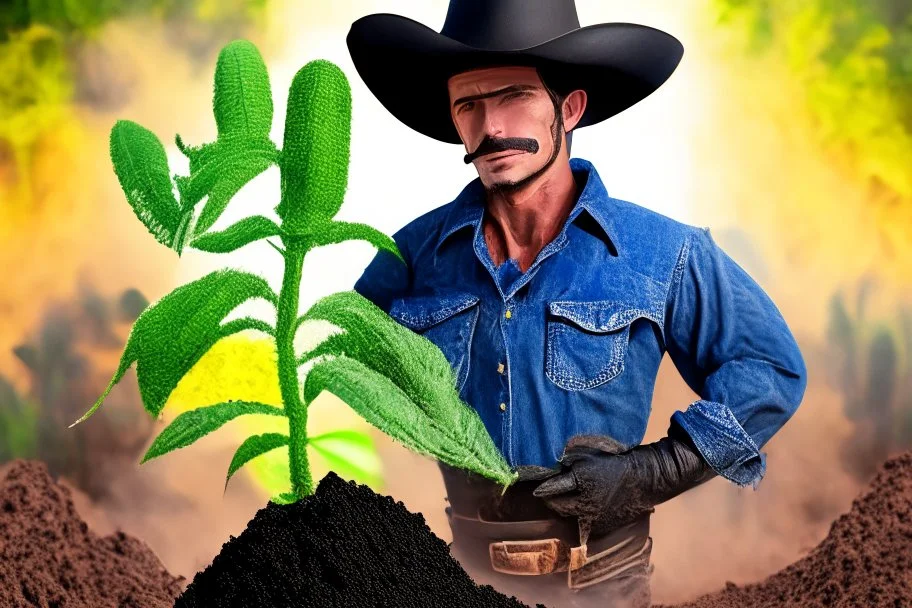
x=396, y=379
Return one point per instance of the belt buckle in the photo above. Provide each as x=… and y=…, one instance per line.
x=529, y=557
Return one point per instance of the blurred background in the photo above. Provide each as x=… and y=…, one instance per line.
x=786, y=129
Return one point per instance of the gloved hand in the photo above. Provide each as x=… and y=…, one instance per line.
x=606, y=488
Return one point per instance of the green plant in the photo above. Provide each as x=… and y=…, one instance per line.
x=396, y=379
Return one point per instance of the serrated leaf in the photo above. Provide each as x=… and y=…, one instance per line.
x=253, y=447
x=237, y=235
x=141, y=166
x=170, y=336
x=371, y=336
x=190, y=426
x=315, y=151
x=382, y=403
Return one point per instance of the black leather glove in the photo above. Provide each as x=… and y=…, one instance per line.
x=606, y=488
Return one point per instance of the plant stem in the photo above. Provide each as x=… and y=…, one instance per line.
x=295, y=409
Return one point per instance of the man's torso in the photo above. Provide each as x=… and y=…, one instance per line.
x=570, y=346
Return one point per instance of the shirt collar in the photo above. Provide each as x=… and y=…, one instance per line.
x=468, y=208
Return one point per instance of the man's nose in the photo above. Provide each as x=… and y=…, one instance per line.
x=491, y=123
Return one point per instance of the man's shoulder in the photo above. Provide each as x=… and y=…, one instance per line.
x=428, y=220
x=421, y=234
x=653, y=240
x=643, y=220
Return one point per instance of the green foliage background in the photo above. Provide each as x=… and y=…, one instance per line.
x=38, y=40
x=854, y=61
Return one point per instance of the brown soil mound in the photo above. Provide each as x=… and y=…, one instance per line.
x=865, y=560
x=50, y=559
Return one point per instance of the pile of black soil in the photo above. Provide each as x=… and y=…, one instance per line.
x=344, y=546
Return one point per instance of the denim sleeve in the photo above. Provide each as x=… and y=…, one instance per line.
x=733, y=348
x=386, y=277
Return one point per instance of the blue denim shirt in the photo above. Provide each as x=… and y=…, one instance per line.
x=573, y=344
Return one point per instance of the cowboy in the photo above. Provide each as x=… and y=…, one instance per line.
x=555, y=303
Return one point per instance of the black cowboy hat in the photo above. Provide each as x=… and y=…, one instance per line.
x=406, y=64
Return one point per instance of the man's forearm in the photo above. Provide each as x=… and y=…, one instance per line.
x=676, y=466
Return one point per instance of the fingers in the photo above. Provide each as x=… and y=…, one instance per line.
x=561, y=484
x=535, y=473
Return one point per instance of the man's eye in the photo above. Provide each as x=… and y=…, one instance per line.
x=467, y=106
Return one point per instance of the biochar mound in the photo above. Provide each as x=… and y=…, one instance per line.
x=50, y=559
x=865, y=560
x=344, y=546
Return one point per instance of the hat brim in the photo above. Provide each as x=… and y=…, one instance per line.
x=406, y=65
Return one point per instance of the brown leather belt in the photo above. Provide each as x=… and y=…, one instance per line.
x=549, y=546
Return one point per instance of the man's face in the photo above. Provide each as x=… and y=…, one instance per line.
x=508, y=123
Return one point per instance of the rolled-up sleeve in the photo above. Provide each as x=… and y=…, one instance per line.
x=732, y=346
x=385, y=278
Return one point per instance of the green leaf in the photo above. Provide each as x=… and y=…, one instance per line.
x=328, y=233
x=236, y=236
x=191, y=426
x=371, y=336
x=315, y=153
x=242, y=102
x=170, y=336
x=253, y=447
x=382, y=403
x=351, y=454
x=141, y=166
x=219, y=170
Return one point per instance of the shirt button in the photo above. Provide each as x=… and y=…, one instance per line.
x=500, y=368
x=503, y=407
x=509, y=314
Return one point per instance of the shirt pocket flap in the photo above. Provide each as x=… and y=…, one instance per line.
x=602, y=315
x=422, y=312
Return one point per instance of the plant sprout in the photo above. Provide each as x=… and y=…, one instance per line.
x=397, y=380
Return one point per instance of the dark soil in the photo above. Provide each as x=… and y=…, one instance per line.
x=50, y=559
x=344, y=546
x=865, y=560
x=348, y=546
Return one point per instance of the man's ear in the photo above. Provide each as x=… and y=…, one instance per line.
x=573, y=107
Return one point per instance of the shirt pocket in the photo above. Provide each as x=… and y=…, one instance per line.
x=446, y=320
x=587, y=342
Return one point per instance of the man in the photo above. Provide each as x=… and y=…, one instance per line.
x=555, y=302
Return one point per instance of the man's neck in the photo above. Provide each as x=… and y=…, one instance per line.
x=520, y=224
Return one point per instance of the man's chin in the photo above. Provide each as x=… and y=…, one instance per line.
x=503, y=179
x=503, y=185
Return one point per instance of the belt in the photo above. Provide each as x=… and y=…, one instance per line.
x=539, y=547
x=515, y=533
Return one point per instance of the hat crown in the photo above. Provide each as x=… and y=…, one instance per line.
x=506, y=25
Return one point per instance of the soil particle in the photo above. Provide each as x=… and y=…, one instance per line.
x=345, y=545
x=865, y=560
x=50, y=559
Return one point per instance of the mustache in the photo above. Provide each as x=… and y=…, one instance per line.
x=490, y=145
